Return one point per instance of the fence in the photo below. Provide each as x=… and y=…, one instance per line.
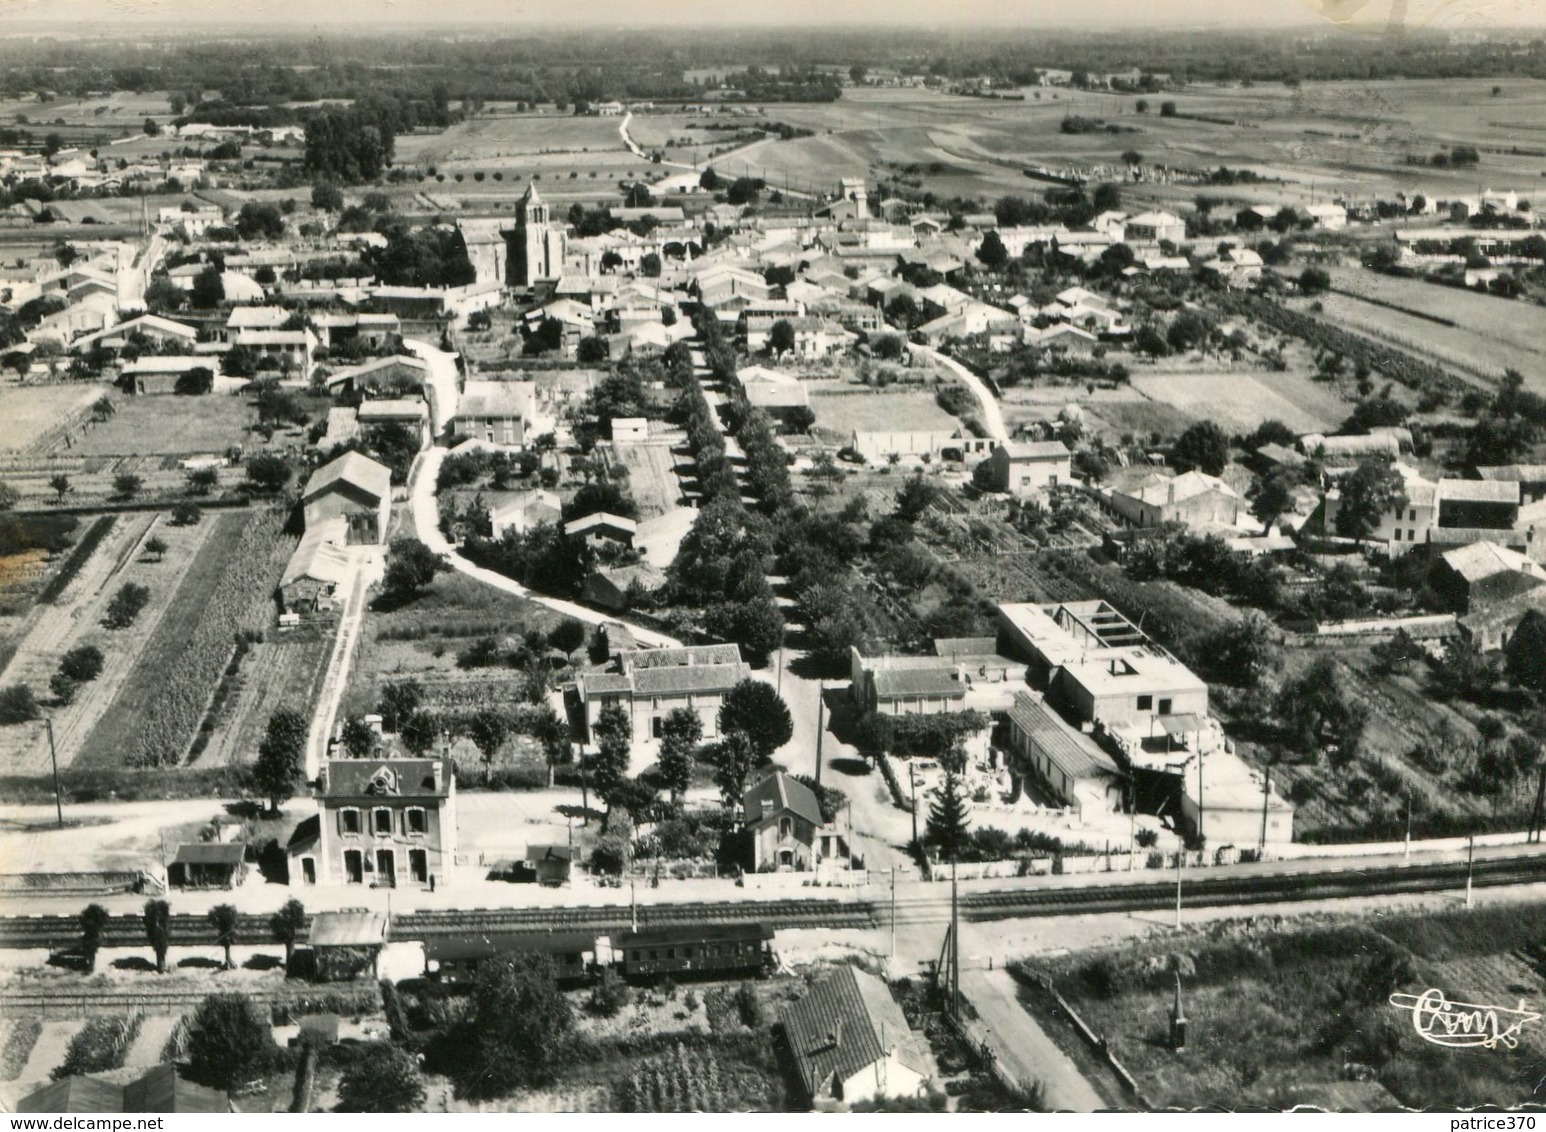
x=1096, y=1042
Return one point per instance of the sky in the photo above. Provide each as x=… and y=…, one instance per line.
x=97, y=16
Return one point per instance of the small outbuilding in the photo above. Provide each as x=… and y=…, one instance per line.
x=208, y=864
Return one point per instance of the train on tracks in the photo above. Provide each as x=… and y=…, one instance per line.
x=647, y=956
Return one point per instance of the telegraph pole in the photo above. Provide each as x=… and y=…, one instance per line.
x=912, y=781
x=955, y=945
x=1470, y=860
x=893, y=912
x=53, y=757
x=1406, y=850
x=1180, y=860
x=1266, y=797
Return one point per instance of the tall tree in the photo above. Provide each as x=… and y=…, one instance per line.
x=755, y=709
x=488, y=730
x=734, y=758
x=399, y=699
x=518, y=1029
x=359, y=738
x=1204, y=447
x=946, y=829
x=281, y=757
x=93, y=923
x=1371, y=491
x=411, y=566
x=158, y=930
x=551, y=732
x=226, y=920
x=680, y=733
x=285, y=926
x=614, y=743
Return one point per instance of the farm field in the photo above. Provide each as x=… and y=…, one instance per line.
x=169, y=426
x=1238, y=402
x=1278, y=1008
x=651, y=480
x=1471, y=353
x=448, y=616
x=75, y=619
x=842, y=412
x=281, y=671
x=160, y=703
x=1334, y=136
x=31, y=412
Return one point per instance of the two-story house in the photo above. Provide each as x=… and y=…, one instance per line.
x=382, y=822
x=784, y=821
x=1025, y=468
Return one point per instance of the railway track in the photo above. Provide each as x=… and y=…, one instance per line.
x=1153, y=891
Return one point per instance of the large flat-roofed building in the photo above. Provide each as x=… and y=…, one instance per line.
x=1226, y=800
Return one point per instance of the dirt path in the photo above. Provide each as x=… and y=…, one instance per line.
x=155, y=1029
x=47, y=1054
x=366, y=567
x=991, y=416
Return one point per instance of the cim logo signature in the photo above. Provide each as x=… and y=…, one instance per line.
x=1464, y=1025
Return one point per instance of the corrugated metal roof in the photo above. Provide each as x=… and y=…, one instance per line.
x=350, y=928
x=1072, y=752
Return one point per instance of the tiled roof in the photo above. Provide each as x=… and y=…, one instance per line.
x=210, y=853
x=404, y=778
x=774, y=793
x=835, y=1030
x=1479, y=491
x=354, y=469
x=354, y=927
x=1519, y=473
x=965, y=646
x=933, y=681
x=1036, y=450
x=693, y=678
x=683, y=655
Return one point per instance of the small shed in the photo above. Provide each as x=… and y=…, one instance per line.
x=347, y=943
x=548, y=865
x=630, y=429
x=208, y=864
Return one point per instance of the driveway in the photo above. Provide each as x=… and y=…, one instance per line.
x=426, y=528
x=991, y=416
x=1022, y=1048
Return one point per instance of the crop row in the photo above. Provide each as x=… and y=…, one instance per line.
x=241, y=602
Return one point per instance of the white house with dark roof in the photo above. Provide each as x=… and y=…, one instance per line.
x=785, y=823
x=382, y=822
x=649, y=683
x=851, y=1043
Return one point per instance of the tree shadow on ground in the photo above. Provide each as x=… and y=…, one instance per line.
x=263, y=962
x=133, y=963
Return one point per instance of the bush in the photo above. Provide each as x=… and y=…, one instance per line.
x=749, y=1006
x=610, y=996
x=126, y=606
x=18, y=704
x=99, y=1046
x=83, y=664
x=230, y=1042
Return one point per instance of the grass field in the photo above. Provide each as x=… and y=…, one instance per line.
x=841, y=413
x=170, y=426
x=1238, y=402
x=1278, y=1010
x=30, y=412
x=651, y=480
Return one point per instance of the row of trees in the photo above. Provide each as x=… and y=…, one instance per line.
x=285, y=928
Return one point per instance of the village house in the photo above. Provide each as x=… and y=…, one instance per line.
x=523, y=512
x=784, y=822
x=164, y=373
x=602, y=529
x=850, y=1042
x=355, y=488
x=650, y=683
x=617, y=589
x=382, y=822
x=1193, y=498
x=1402, y=528
x=964, y=674
x=408, y=413
x=1025, y=468
x=1471, y=578
x=496, y=412
x=1152, y=228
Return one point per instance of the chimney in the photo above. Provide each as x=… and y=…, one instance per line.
x=837, y=1034
x=436, y=768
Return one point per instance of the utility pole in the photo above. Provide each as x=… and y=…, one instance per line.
x=912, y=781
x=1406, y=849
x=633, y=906
x=53, y=757
x=1180, y=860
x=955, y=945
x=1266, y=796
x=1470, y=860
x=893, y=912
x=1201, y=838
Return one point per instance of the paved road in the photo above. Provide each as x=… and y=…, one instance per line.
x=1022, y=1048
x=426, y=523
x=991, y=416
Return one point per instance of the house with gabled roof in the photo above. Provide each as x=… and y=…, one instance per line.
x=650, y=683
x=783, y=819
x=158, y=1090
x=353, y=487
x=1029, y=467
x=850, y=1042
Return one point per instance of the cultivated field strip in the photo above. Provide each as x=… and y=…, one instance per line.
x=118, y=1000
